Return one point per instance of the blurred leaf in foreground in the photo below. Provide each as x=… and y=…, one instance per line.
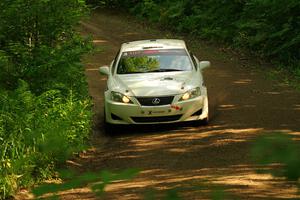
x=98, y=181
x=278, y=148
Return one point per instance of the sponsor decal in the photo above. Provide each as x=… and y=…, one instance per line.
x=176, y=107
x=150, y=51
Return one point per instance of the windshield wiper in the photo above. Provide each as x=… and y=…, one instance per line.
x=165, y=70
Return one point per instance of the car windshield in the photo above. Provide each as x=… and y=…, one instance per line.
x=154, y=61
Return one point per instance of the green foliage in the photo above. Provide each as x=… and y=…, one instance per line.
x=39, y=40
x=45, y=111
x=32, y=26
x=37, y=133
x=268, y=28
x=272, y=28
x=278, y=148
x=172, y=194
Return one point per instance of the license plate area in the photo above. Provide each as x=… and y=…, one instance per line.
x=155, y=112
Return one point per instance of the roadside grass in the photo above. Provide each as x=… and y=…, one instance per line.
x=38, y=133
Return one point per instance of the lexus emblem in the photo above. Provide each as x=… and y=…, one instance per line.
x=155, y=101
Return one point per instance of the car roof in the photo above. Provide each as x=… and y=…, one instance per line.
x=153, y=44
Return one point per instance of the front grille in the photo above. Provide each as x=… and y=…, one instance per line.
x=155, y=101
x=156, y=119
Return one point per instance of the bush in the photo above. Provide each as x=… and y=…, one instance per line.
x=272, y=28
x=45, y=111
x=32, y=127
x=28, y=50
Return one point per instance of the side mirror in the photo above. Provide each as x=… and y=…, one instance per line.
x=104, y=70
x=204, y=64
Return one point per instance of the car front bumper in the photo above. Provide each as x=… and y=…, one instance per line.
x=189, y=110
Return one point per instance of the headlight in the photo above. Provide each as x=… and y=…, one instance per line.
x=118, y=97
x=191, y=94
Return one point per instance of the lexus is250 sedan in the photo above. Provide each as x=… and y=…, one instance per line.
x=153, y=82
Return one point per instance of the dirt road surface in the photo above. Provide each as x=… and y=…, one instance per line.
x=244, y=103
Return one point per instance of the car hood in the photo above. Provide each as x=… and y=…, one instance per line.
x=155, y=84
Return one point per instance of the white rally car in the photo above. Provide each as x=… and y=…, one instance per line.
x=153, y=82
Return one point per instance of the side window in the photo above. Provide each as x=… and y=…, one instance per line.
x=194, y=60
x=114, y=64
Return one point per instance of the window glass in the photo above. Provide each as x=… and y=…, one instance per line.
x=154, y=61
